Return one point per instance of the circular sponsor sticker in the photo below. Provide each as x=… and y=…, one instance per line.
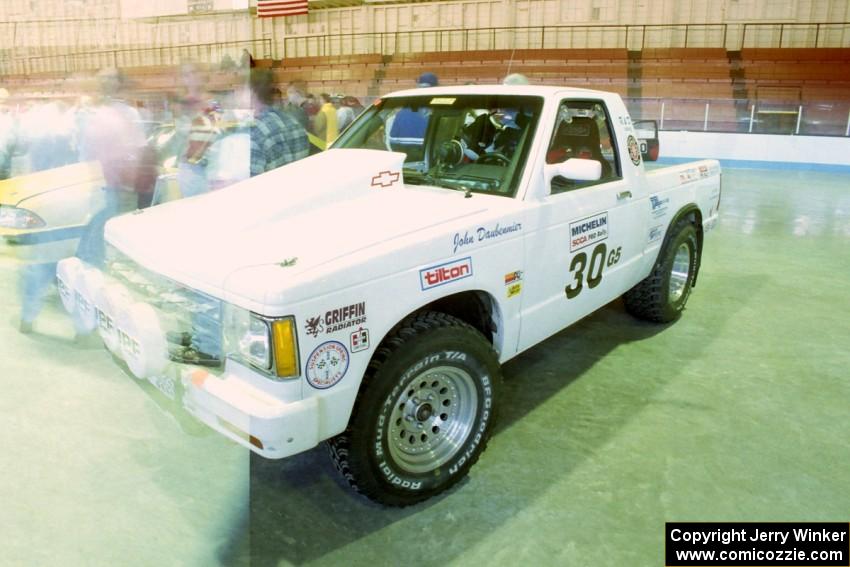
x=634, y=150
x=327, y=364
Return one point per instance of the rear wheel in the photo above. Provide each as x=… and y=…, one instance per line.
x=662, y=296
x=424, y=413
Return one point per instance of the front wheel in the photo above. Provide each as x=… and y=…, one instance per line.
x=424, y=413
x=662, y=296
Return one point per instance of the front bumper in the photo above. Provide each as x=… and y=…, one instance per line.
x=249, y=416
x=228, y=400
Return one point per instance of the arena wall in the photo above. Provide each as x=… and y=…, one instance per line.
x=54, y=35
x=757, y=150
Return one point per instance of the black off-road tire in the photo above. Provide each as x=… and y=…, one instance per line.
x=433, y=375
x=651, y=299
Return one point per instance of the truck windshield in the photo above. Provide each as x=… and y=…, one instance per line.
x=476, y=143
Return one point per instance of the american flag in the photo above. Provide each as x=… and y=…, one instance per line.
x=272, y=8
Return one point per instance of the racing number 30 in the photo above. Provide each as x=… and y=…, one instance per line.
x=594, y=271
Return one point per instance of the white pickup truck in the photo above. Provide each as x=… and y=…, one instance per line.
x=367, y=295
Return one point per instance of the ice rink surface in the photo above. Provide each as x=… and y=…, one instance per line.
x=738, y=412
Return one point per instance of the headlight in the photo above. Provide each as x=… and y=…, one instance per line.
x=13, y=217
x=269, y=345
x=246, y=337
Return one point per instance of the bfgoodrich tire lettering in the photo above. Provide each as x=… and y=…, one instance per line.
x=662, y=296
x=424, y=412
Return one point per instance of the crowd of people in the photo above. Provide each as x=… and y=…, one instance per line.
x=134, y=141
x=44, y=132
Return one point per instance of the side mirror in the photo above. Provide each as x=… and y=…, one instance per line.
x=646, y=129
x=575, y=169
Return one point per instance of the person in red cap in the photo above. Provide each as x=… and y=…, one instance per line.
x=201, y=130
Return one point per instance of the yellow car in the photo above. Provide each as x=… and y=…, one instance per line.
x=43, y=214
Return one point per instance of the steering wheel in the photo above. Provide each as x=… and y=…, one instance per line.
x=450, y=153
x=496, y=158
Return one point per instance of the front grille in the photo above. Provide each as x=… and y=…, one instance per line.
x=191, y=319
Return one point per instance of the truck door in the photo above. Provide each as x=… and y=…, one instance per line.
x=589, y=240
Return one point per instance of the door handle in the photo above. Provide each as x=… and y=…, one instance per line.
x=624, y=195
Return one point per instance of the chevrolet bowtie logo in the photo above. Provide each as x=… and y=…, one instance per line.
x=385, y=179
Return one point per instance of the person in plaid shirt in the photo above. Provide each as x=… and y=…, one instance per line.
x=276, y=137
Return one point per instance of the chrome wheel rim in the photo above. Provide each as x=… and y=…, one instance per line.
x=680, y=273
x=432, y=418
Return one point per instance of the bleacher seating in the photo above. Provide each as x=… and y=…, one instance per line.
x=350, y=74
x=592, y=68
x=797, y=74
x=787, y=75
x=681, y=73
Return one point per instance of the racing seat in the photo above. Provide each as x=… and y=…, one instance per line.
x=578, y=138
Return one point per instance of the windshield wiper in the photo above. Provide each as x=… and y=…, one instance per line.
x=489, y=184
x=415, y=177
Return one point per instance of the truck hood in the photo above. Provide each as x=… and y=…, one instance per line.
x=302, y=215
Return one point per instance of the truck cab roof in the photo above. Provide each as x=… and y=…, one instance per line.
x=526, y=90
